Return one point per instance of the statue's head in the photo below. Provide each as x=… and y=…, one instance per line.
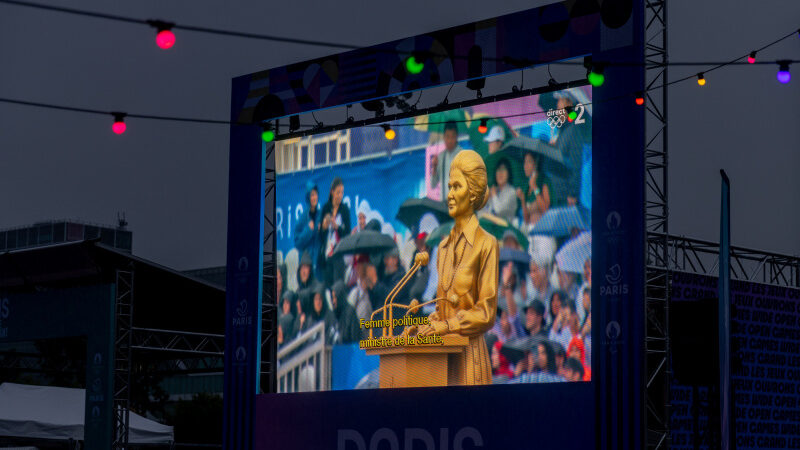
x=468, y=187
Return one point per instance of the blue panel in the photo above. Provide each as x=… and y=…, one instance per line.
x=243, y=292
x=87, y=311
x=617, y=254
x=481, y=417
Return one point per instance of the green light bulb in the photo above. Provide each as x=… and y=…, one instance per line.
x=267, y=136
x=596, y=79
x=573, y=115
x=413, y=66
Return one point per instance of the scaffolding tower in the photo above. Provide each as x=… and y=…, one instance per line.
x=656, y=209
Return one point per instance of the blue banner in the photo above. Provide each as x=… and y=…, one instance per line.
x=764, y=356
x=243, y=293
x=384, y=182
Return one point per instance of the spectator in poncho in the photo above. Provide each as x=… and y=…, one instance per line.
x=347, y=321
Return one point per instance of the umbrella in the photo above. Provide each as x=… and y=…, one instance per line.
x=497, y=226
x=525, y=144
x=515, y=161
x=434, y=122
x=412, y=210
x=476, y=137
x=515, y=349
x=575, y=252
x=366, y=241
x=548, y=100
x=518, y=257
x=438, y=234
x=370, y=381
x=560, y=221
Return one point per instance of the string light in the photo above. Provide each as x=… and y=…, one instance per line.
x=388, y=132
x=752, y=58
x=413, y=66
x=639, y=98
x=784, y=76
x=783, y=72
x=483, y=127
x=119, y=126
x=165, y=38
x=595, y=72
x=596, y=79
x=267, y=135
x=320, y=43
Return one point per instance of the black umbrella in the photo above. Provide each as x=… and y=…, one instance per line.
x=518, y=257
x=515, y=349
x=555, y=161
x=366, y=241
x=412, y=210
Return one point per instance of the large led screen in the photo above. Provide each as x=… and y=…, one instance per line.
x=453, y=248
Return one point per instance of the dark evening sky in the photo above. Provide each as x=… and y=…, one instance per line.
x=171, y=179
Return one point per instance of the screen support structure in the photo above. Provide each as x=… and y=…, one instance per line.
x=187, y=352
x=123, y=357
x=657, y=272
x=269, y=303
x=702, y=257
x=611, y=32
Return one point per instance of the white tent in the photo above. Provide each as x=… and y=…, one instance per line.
x=57, y=413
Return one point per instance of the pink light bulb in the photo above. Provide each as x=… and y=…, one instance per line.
x=165, y=39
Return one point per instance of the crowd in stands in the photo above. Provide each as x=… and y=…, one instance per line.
x=543, y=328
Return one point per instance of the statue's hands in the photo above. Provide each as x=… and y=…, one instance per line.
x=434, y=327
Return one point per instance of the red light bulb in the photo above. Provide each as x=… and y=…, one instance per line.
x=483, y=127
x=165, y=39
x=751, y=58
x=118, y=127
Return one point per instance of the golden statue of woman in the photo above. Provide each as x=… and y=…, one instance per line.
x=467, y=266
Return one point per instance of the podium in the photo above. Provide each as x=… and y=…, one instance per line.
x=423, y=365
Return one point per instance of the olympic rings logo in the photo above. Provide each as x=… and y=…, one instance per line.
x=555, y=119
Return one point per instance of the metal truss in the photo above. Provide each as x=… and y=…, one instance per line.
x=656, y=208
x=123, y=361
x=668, y=253
x=193, y=364
x=702, y=257
x=33, y=363
x=179, y=342
x=269, y=303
